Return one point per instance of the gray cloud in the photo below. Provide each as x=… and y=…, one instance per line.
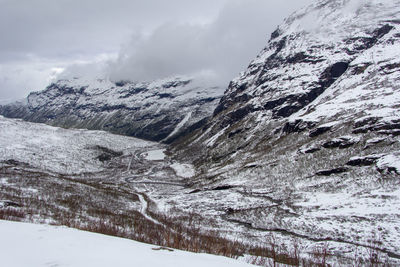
x=149, y=39
x=65, y=28
x=224, y=46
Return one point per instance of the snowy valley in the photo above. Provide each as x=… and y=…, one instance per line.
x=296, y=163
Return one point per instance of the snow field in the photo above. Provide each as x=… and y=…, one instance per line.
x=25, y=244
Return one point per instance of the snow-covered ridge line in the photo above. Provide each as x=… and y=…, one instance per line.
x=155, y=110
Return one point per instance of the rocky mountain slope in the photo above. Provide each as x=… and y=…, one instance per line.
x=159, y=111
x=312, y=126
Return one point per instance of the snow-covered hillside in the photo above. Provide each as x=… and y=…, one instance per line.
x=333, y=58
x=63, y=151
x=159, y=110
x=25, y=244
x=312, y=128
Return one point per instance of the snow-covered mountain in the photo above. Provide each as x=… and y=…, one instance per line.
x=159, y=110
x=312, y=126
x=304, y=145
x=334, y=60
x=330, y=71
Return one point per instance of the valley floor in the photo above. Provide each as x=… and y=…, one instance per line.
x=122, y=186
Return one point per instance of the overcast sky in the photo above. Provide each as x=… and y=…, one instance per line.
x=42, y=40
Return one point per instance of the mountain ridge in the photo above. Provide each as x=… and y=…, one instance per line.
x=287, y=80
x=160, y=110
x=313, y=126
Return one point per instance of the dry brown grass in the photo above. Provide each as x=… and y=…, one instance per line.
x=102, y=208
x=11, y=214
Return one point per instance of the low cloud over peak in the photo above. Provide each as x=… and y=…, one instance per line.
x=223, y=46
x=131, y=40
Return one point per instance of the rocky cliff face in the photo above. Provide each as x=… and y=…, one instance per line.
x=160, y=111
x=313, y=126
x=332, y=63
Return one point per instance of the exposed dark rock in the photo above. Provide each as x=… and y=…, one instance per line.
x=122, y=83
x=166, y=96
x=174, y=84
x=14, y=111
x=312, y=150
x=223, y=187
x=341, y=142
x=106, y=153
x=251, y=166
x=331, y=171
x=298, y=58
x=227, y=101
x=104, y=157
x=366, y=121
x=389, y=67
x=390, y=132
x=363, y=161
x=375, y=141
x=364, y=43
x=221, y=107
x=187, y=131
x=111, y=107
x=275, y=34
x=376, y=125
x=387, y=170
x=302, y=57
x=285, y=106
x=338, y=69
x=236, y=115
x=319, y=130
x=9, y=203
x=382, y=31
x=392, y=125
x=158, y=130
x=195, y=191
x=14, y=162
x=361, y=130
x=134, y=91
x=297, y=126
x=286, y=111
x=279, y=46
x=230, y=211
x=233, y=133
x=330, y=74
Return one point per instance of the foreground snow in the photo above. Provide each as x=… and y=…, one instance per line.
x=25, y=244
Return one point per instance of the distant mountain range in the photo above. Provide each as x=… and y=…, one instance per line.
x=159, y=111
